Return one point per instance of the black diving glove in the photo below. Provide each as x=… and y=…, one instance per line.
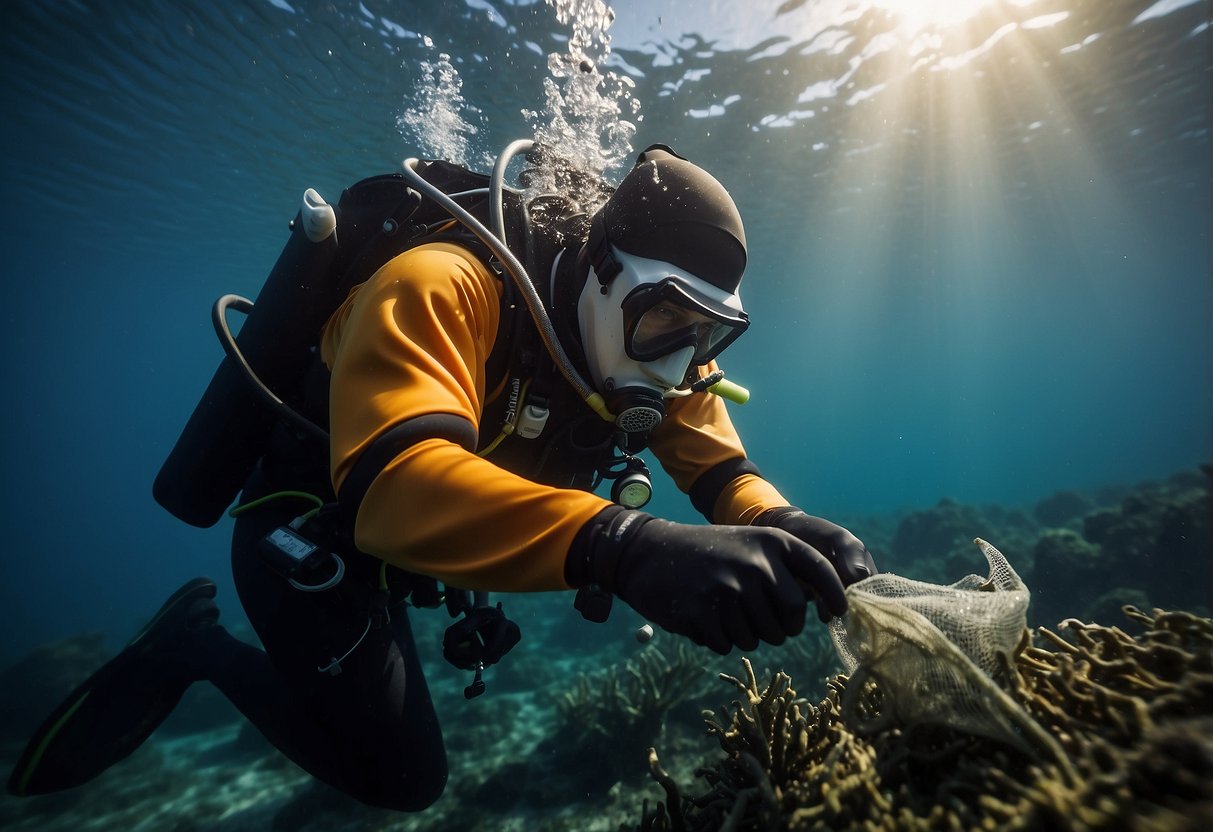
x=719, y=585
x=850, y=558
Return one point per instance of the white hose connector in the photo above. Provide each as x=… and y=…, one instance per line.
x=319, y=218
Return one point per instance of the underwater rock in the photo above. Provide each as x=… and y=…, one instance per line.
x=1068, y=573
x=320, y=807
x=945, y=528
x=1109, y=607
x=1155, y=543
x=1159, y=540
x=937, y=542
x=1062, y=507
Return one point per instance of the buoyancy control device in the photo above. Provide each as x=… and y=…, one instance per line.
x=330, y=250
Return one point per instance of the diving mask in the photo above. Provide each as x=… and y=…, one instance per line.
x=668, y=316
x=646, y=328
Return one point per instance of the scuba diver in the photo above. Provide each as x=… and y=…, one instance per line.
x=435, y=378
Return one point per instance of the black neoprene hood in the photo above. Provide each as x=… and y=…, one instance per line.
x=670, y=209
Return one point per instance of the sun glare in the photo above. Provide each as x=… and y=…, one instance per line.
x=917, y=15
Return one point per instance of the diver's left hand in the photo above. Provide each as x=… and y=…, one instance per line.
x=846, y=552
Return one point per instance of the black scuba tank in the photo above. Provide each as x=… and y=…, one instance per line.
x=376, y=219
x=230, y=425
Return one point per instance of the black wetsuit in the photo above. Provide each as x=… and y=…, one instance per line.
x=369, y=730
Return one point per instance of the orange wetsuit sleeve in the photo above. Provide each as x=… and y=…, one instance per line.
x=413, y=341
x=697, y=435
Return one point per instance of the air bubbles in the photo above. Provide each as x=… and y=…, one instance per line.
x=583, y=115
x=434, y=117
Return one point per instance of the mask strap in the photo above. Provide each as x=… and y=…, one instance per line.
x=606, y=266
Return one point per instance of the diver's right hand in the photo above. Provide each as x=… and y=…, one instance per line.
x=719, y=585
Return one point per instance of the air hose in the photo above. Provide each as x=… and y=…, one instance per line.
x=517, y=271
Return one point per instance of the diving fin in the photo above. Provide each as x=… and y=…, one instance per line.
x=113, y=711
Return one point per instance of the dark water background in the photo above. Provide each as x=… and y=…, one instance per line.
x=979, y=255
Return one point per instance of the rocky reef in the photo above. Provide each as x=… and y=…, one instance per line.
x=1153, y=548
x=1132, y=715
x=1084, y=555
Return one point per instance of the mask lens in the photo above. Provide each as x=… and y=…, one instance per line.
x=664, y=318
x=667, y=324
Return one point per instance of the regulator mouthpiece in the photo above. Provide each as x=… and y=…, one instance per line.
x=730, y=390
x=716, y=383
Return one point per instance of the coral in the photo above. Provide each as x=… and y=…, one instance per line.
x=810, y=655
x=616, y=716
x=1133, y=716
x=610, y=718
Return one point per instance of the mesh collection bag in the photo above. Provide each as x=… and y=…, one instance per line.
x=935, y=653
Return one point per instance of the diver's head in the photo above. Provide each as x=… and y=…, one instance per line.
x=666, y=253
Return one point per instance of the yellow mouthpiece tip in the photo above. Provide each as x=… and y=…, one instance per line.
x=729, y=390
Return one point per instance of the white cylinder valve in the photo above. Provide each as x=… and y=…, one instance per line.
x=319, y=218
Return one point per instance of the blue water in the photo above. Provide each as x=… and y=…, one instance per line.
x=979, y=252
